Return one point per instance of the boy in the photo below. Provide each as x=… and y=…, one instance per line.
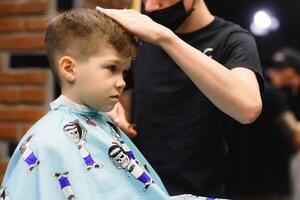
x=75, y=152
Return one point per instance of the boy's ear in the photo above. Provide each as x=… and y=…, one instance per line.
x=67, y=68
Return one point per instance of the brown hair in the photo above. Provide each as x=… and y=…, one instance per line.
x=81, y=33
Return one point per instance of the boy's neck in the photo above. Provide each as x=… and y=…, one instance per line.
x=63, y=100
x=68, y=95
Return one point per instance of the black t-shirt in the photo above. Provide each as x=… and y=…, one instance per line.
x=180, y=131
x=258, y=160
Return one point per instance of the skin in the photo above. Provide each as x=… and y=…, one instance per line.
x=96, y=82
x=242, y=101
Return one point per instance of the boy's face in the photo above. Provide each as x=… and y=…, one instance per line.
x=99, y=81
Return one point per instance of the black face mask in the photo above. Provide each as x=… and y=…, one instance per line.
x=171, y=17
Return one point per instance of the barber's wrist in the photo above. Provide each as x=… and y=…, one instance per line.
x=164, y=36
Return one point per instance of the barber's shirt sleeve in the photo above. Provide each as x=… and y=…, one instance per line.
x=240, y=50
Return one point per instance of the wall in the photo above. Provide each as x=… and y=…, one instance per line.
x=24, y=92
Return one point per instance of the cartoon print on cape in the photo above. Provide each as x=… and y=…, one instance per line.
x=28, y=155
x=77, y=134
x=65, y=185
x=123, y=158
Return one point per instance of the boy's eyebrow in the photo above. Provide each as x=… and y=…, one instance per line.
x=117, y=61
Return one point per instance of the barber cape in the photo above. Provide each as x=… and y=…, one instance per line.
x=73, y=153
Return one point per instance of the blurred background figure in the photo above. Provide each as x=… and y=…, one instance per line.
x=285, y=74
x=258, y=165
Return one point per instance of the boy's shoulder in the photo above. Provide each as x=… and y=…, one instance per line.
x=49, y=122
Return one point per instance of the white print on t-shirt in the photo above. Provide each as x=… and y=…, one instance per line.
x=208, y=52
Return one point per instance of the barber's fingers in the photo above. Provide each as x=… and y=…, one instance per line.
x=118, y=116
x=138, y=24
x=116, y=14
x=125, y=126
x=108, y=12
x=128, y=129
x=122, y=122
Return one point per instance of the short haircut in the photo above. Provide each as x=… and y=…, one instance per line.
x=81, y=33
x=287, y=57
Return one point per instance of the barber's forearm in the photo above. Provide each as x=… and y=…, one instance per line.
x=229, y=91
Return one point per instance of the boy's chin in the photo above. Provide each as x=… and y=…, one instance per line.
x=108, y=108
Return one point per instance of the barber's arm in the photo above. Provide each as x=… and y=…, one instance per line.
x=235, y=92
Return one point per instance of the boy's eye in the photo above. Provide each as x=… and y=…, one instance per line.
x=112, y=68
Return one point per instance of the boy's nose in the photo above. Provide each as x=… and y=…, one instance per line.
x=120, y=84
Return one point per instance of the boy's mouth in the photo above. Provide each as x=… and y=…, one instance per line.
x=115, y=97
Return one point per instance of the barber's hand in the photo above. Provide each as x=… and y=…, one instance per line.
x=138, y=24
x=118, y=116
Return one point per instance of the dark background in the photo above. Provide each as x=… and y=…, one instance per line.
x=242, y=11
